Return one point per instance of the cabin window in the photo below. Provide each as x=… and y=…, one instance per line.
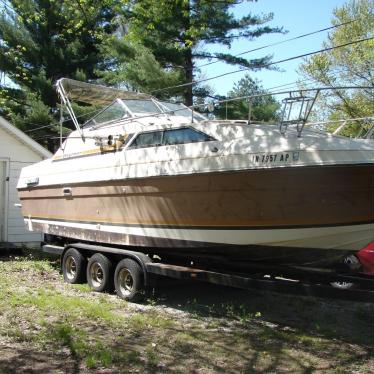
x=169, y=137
x=184, y=135
x=147, y=139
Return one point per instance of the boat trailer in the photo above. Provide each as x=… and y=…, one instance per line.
x=302, y=281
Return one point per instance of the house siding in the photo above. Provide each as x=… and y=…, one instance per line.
x=18, y=156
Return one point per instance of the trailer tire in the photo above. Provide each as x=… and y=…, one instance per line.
x=100, y=273
x=128, y=280
x=343, y=285
x=74, y=266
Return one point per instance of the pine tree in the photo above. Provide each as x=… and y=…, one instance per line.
x=262, y=108
x=176, y=31
x=40, y=42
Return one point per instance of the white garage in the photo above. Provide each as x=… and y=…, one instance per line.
x=16, y=151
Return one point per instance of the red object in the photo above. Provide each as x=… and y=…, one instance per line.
x=366, y=257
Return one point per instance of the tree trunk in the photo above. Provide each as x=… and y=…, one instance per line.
x=188, y=64
x=188, y=97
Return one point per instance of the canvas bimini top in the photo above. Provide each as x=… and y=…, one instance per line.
x=119, y=104
x=94, y=94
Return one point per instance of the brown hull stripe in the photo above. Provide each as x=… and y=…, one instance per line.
x=275, y=198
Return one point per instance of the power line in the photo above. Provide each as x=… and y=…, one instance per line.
x=56, y=124
x=41, y=127
x=51, y=125
x=293, y=91
x=268, y=91
x=264, y=65
x=230, y=99
x=242, y=98
x=297, y=83
x=292, y=84
x=281, y=42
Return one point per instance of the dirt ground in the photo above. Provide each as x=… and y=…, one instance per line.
x=47, y=326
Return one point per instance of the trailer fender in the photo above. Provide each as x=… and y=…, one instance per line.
x=366, y=257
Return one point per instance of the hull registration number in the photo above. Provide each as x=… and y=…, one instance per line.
x=276, y=157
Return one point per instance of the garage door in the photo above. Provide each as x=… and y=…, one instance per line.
x=2, y=200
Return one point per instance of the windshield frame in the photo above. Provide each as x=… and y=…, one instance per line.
x=130, y=114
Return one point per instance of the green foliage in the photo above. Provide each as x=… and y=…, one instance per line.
x=264, y=108
x=142, y=45
x=137, y=67
x=351, y=65
x=42, y=41
x=36, y=117
x=175, y=32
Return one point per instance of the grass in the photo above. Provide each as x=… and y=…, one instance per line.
x=81, y=287
x=294, y=338
x=52, y=303
x=269, y=333
x=58, y=318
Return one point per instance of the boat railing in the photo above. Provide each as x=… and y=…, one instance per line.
x=297, y=106
x=296, y=110
x=365, y=126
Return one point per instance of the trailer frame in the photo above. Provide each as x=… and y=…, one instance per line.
x=292, y=281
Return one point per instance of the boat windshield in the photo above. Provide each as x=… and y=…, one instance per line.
x=181, y=110
x=142, y=106
x=114, y=111
x=127, y=108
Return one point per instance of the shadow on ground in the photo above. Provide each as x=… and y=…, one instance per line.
x=352, y=322
x=17, y=359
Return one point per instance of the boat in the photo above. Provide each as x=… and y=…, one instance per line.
x=160, y=176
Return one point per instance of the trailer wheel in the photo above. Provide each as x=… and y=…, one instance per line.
x=343, y=285
x=100, y=273
x=74, y=266
x=128, y=280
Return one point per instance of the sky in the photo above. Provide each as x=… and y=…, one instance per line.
x=297, y=17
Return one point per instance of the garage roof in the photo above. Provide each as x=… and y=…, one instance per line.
x=23, y=138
